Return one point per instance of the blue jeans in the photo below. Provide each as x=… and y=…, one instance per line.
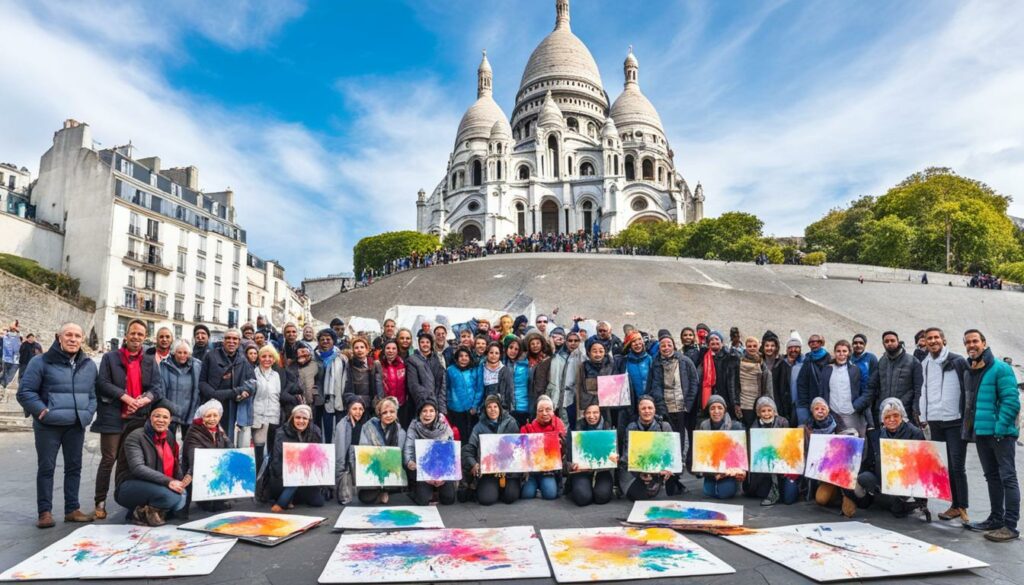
x=9, y=371
x=311, y=496
x=133, y=493
x=997, y=462
x=720, y=489
x=49, y=440
x=547, y=484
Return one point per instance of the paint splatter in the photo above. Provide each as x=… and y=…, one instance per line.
x=613, y=390
x=839, y=461
x=308, y=459
x=652, y=549
x=253, y=526
x=380, y=462
x=594, y=449
x=688, y=515
x=458, y=547
x=520, y=453
x=654, y=452
x=719, y=450
x=396, y=518
x=437, y=460
x=777, y=450
x=233, y=468
x=915, y=468
x=545, y=450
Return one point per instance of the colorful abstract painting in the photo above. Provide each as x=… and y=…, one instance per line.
x=613, y=390
x=256, y=527
x=438, y=460
x=719, y=451
x=308, y=464
x=117, y=551
x=777, y=451
x=915, y=468
x=379, y=467
x=389, y=518
x=478, y=554
x=520, y=453
x=834, y=459
x=674, y=513
x=846, y=551
x=223, y=474
x=618, y=554
x=651, y=452
x=594, y=449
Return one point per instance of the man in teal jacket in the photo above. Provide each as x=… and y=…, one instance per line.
x=990, y=419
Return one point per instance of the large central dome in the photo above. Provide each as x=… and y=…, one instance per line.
x=562, y=55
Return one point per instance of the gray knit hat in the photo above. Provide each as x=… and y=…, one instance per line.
x=716, y=399
x=765, y=401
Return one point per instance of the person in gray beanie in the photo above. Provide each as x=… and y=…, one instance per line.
x=770, y=488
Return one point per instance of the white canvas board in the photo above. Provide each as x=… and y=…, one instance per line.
x=685, y=513
x=389, y=518
x=438, y=460
x=223, y=474
x=308, y=464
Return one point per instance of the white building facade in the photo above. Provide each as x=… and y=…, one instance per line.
x=270, y=295
x=566, y=160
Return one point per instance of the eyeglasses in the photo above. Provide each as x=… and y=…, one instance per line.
x=539, y=321
x=573, y=341
x=814, y=341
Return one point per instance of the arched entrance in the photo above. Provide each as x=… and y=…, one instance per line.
x=549, y=217
x=647, y=218
x=588, y=216
x=471, y=232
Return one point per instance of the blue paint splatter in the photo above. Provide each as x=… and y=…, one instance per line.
x=438, y=460
x=233, y=468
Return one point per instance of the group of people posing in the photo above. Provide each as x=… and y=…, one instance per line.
x=266, y=389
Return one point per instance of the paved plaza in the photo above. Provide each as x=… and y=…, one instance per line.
x=301, y=560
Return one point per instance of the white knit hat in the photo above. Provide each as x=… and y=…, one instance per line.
x=794, y=339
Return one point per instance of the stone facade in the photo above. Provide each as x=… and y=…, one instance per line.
x=566, y=160
x=319, y=289
x=40, y=311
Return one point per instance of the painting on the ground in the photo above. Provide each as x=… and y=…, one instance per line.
x=389, y=518
x=678, y=513
x=520, y=453
x=619, y=553
x=438, y=460
x=834, y=459
x=223, y=474
x=594, y=449
x=257, y=527
x=847, y=551
x=777, y=451
x=719, y=451
x=118, y=551
x=613, y=390
x=308, y=464
x=915, y=468
x=651, y=452
x=379, y=467
x=472, y=554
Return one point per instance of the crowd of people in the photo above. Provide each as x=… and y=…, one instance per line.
x=17, y=351
x=983, y=280
x=579, y=242
x=263, y=388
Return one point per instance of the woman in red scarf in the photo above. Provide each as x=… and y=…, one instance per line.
x=149, y=481
x=546, y=422
x=389, y=371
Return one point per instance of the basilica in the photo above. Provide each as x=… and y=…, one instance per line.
x=566, y=161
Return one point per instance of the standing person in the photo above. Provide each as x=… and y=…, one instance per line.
x=441, y=345
x=491, y=487
x=636, y=364
x=361, y=379
x=276, y=394
x=404, y=339
x=840, y=387
x=59, y=391
x=920, y=347
x=332, y=397
x=497, y=378
x=898, y=376
x=390, y=327
x=809, y=379
x=29, y=349
x=549, y=374
x=308, y=376
x=721, y=486
x=942, y=413
x=11, y=347
x=204, y=433
x=161, y=350
x=297, y=429
x=382, y=430
x=545, y=422
x=866, y=361
x=149, y=480
x=390, y=372
x=179, y=376
x=598, y=363
x=795, y=361
x=465, y=389
x=542, y=324
x=611, y=342
x=128, y=383
x=428, y=425
x=771, y=488
x=688, y=344
x=589, y=486
x=228, y=377
x=754, y=380
x=201, y=341
x=338, y=326
x=576, y=356
x=309, y=335
x=516, y=361
x=780, y=370
x=990, y=418
x=673, y=386
x=290, y=346
x=346, y=434
x=636, y=485
x=425, y=375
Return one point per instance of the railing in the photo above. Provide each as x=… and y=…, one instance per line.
x=199, y=318
x=153, y=237
x=134, y=230
x=147, y=259
x=200, y=274
x=179, y=316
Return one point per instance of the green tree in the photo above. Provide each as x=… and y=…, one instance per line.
x=887, y=243
x=452, y=240
x=376, y=251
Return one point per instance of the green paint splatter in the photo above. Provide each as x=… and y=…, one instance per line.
x=594, y=448
x=382, y=462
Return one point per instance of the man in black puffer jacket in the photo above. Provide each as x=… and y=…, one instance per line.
x=898, y=375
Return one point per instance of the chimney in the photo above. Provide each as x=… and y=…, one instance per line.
x=152, y=163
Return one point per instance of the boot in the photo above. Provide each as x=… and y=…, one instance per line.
x=139, y=516
x=964, y=518
x=46, y=520
x=101, y=511
x=156, y=516
x=77, y=516
x=276, y=509
x=849, y=506
x=773, y=496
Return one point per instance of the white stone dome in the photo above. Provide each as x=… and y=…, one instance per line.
x=501, y=130
x=479, y=119
x=632, y=107
x=561, y=55
x=609, y=130
x=550, y=115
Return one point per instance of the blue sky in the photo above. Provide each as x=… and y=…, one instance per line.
x=327, y=117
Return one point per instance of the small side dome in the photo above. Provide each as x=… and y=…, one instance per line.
x=609, y=130
x=550, y=115
x=501, y=130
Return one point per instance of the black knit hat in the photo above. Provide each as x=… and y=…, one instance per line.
x=337, y=321
x=202, y=327
x=663, y=333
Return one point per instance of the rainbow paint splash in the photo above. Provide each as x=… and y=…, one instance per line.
x=520, y=453
x=777, y=451
x=653, y=452
x=594, y=449
x=254, y=526
x=666, y=515
x=380, y=463
x=307, y=460
x=233, y=468
x=395, y=518
x=838, y=462
x=719, y=451
x=915, y=468
x=651, y=549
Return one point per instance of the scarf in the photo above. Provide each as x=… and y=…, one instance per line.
x=357, y=429
x=710, y=377
x=817, y=354
x=535, y=426
x=163, y=448
x=389, y=433
x=824, y=427
x=437, y=430
x=133, y=376
x=327, y=357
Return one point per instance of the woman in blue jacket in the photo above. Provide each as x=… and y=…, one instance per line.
x=515, y=360
x=465, y=391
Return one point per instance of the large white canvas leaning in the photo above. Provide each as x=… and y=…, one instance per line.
x=618, y=554
x=408, y=556
x=118, y=551
x=223, y=474
x=843, y=551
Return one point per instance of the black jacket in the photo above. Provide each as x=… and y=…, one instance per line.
x=110, y=385
x=897, y=377
x=287, y=434
x=782, y=371
x=223, y=377
x=426, y=378
x=139, y=458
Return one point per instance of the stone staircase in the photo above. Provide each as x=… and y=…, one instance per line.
x=12, y=417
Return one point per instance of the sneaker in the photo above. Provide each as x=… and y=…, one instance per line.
x=77, y=516
x=155, y=516
x=46, y=520
x=773, y=496
x=139, y=516
x=1004, y=534
x=986, y=525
